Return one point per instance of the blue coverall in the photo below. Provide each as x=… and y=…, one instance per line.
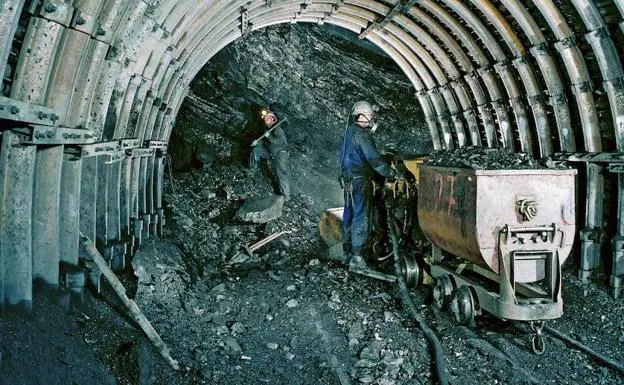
x=359, y=161
x=275, y=149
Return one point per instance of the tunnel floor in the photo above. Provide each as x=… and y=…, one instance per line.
x=285, y=317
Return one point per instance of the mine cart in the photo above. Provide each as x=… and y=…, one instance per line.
x=509, y=232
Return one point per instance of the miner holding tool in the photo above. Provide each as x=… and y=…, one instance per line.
x=359, y=161
x=272, y=146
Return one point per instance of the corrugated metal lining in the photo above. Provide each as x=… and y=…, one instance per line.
x=536, y=76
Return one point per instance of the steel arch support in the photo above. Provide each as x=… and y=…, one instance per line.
x=46, y=199
x=35, y=61
x=125, y=204
x=114, y=243
x=65, y=68
x=100, y=101
x=69, y=212
x=10, y=11
x=17, y=169
x=90, y=63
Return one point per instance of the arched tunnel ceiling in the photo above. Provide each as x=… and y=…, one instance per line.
x=538, y=76
x=468, y=61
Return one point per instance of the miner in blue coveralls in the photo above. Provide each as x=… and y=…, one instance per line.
x=360, y=160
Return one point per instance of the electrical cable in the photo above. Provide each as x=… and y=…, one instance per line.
x=169, y=164
x=432, y=340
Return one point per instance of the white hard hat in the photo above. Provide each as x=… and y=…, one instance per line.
x=362, y=107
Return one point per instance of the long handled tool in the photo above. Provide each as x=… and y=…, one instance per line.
x=247, y=252
x=268, y=132
x=136, y=313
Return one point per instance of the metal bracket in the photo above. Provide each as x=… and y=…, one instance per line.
x=244, y=22
x=11, y=109
x=57, y=11
x=501, y=67
x=516, y=103
x=60, y=135
x=159, y=144
x=590, y=157
x=337, y=6
x=595, y=235
x=540, y=49
x=559, y=97
x=616, y=168
x=113, y=148
x=616, y=83
x=568, y=42
x=303, y=7
x=583, y=87
x=399, y=7
x=535, y=99
x=140, y=152
x=597, y=35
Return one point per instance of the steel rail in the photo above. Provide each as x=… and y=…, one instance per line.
x=598, y=356
x=450, y=67
x=609, y=62
x=10, y=11
x=69, y=210
x=91, y=61
x=441, y=79
x=17, y=169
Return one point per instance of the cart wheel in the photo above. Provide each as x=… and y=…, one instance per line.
x=463, y=306
x=411, y=271
x=442, y=291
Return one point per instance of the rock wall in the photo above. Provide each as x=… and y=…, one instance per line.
x=310, y=74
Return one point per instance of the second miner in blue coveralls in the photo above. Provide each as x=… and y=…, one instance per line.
x=359, y=160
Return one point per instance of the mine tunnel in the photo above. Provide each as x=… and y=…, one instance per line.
x=126, y=131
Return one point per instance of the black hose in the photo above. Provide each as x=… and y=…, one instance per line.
x=432, y=339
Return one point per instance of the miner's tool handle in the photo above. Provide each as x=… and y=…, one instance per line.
x=136, y=313
x=268, y=132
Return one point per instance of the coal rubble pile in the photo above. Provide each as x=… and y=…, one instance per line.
x=481, y=158
x=203, y=210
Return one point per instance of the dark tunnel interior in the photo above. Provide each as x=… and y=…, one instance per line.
x=139, y=246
